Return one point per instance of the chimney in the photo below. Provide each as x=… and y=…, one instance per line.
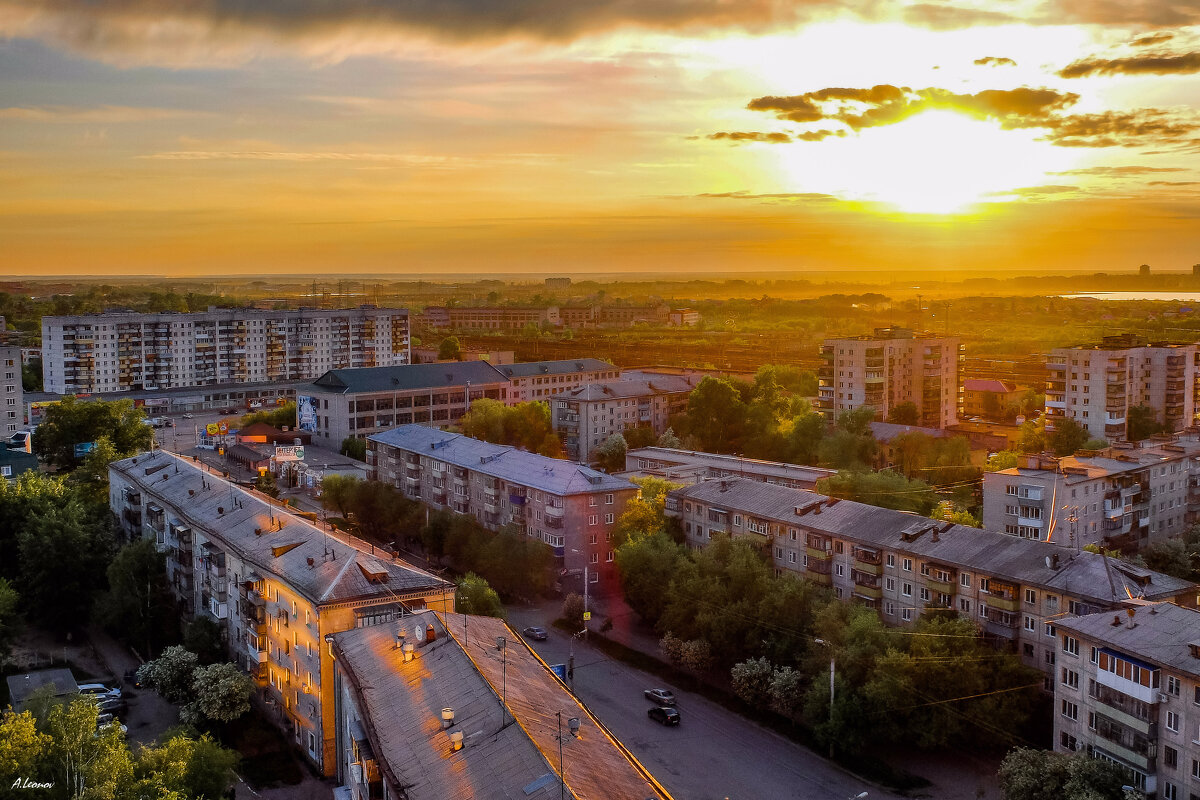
x=456, y=741
x=447, y=717
x=1130, y=612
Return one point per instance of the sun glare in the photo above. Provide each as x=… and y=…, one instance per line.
x=937, y=162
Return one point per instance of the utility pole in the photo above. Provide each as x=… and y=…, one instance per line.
x=832, y=667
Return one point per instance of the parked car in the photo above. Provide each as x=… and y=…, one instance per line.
x=114, y=706
x=98, y=690
x=663, y=715
x=535, y=632
x=189, y=415
x=663, y=697
x=102, y=727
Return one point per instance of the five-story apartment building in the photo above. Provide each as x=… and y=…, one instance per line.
x=12, y=411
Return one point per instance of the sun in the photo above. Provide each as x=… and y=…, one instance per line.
x=936, y=162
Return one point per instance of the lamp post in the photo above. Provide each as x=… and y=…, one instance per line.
x=573, y=726
x=832, y=667
x=502, y=646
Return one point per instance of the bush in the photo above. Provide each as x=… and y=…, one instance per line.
x=572, y=611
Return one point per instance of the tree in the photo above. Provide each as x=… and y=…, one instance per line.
x=716, y=414
x=646, y=566
x=450, y=349
x=905, y=413
x=572, y=610
x=283, y=416
x=1028, y=774
x=845, y=450
x=696, y=655
x=642, y=436
x=22, y=747
x=10, y=620
x=220, y=693
x=669, y=439
x=1033, y=436
x=1095, y=444
x=91, y=477
x=1067, y=437
x=82, y=760
x=886, y=489
x=63, y=555
x=72, y=421
x=787, y=691
x=857, y=420
x=1141, y=422
x=338, y=492
x=475, y=596
x=202, y=636
x=645, y=514
x=949, y=512
x=1178, y=557
x=31, y=375
x=611, y=454
x=1005, y=459
x=171, y=673
x=198, y=768
x=353, y=447
x=138, y=606
x=265, y=483
x=751, y=681
x=525, y=425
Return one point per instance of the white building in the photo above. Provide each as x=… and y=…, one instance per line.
x=1097, y=385
x=126, y=351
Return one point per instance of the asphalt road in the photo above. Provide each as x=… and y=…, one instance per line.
x=713, y=754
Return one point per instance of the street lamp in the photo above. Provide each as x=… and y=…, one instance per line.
x=502, y=646
x=832, y=667
x=573, y=726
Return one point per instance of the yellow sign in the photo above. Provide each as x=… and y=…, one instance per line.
x=587, y=616
x=211, y=429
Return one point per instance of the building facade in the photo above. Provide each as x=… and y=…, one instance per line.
x=892, y=367
x=1128, y=692
x=584, y=417
x=126, y=351
x=902, y=565
x=569, y=507
x=276, y=585
x=540, y=380
x=494, y=318
x=1097, y=385
x=1122, y=497
x=688, y=467
x=360, y=402
x=12, y=390
x=989, y=397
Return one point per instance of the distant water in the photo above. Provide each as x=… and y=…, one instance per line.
x=1191, y=297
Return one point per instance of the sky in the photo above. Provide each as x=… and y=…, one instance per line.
x=669, y=136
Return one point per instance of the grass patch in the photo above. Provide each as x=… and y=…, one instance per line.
x=864, y=765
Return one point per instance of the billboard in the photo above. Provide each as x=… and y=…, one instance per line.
x=83, y=448
x=37, y=411
x=306, y=413
x=212, y=429
x=289, y=453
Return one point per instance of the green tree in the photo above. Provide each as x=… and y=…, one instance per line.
x=857, y=420
x=572, y=611
x=1095, y=444
x=669, y=439
x=91, y=477
x=1178, y=557
x=946, y=510
x=23, y=748
x=353, y=447
x=905, y=413
x=193, y=768
x=751, y=681
x=1067, y=437
x=72, y=421
x=450, y=349
x=31, y=375
x=515, y=565
x=886, y=489
x=283, y=416
x=1028, y=774
x=265, y=483
x=171, y=673
x=220, y=693
x=716, y=414
x=138, y=606
x=611, y=454
x=1142, y=422
x=646, y=566
x=842, y=449
x=525, y=425
x=338, y=493
x=475, y=596
x=639, y=437
x=202, y=636
x=63, y=555
x=1005, y=459
x=645, y=514
x=10, y=620
x=1033, y=436
x=82, y=761
x=787, y=691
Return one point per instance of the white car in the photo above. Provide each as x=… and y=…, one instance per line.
x=99, y=691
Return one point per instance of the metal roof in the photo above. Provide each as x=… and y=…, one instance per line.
x=775, y=469
x=547, y=474
x=405, y=378
x=1161, y=633
x=625, y=389
x=530, y=369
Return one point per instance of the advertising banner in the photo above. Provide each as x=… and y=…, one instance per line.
x=306, y=413
x=289, y=453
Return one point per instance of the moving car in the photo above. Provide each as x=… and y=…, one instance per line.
x=663, y=697
x=663, y=715
x=535, y=632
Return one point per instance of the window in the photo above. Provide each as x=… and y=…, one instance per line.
x=890, y=560
x=1070, y=645
x=906, y=589
x=594, y=519
x=965, y=579
x=964, y=605
x=924, y=594
x=907, y=565
x=1070, y=678
x=1196, y=769
x=592, y=503
x=592, y=539
x=889, y=584
x=889, y=608
x=1170, y=757
x=1030, y=624
x=1173, y=685
x=1170, y=792
x=906, y=615
x=1031, y=596
x=1051, y=631
x=839, y=547
x=608, y=499
x=608, y=519
x=1172, y=722
x=1070, y=710
x=839, y=569
x=1068, y=741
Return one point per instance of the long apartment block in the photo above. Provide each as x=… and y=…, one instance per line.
x=569, y=507
x=1123, y=497
x=276, y=585
x=1128, y=692
x=584, y=417
x=127, y=351
x=692, y=466
x=1097, y=385
x=901, y=564
x=891, y=367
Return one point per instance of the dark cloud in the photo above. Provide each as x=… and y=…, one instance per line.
x=1156, y=64
x=752, y=136
x=1120, y=129
x=1152, y=38
x=1121, y=171
x=995, y=61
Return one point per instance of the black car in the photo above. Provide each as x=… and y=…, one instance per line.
x=535, y=632
x=663, y=715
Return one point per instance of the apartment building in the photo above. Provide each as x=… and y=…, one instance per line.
x=1097, y=385
x=495, y=318
x=13, y=410
x=359, y=402
x=1128, y=692
x=1123, y=497
x=569, y=507
x=275, y=584
x=127, y=351
x=1017, y=590
x=540, y=380
x=475, y=676
x=586, y=416
x=688, y=467
x=893, y=366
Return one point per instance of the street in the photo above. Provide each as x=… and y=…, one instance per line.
x=713, y=754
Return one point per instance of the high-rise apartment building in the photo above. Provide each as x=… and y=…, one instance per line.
x=126, y=351
x=1128, y=692
x=1097, y=385
x=13, y=409
x=892, y=367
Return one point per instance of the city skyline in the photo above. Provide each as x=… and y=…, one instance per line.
x=400, y=138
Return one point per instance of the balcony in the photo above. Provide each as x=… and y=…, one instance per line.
x=1002, y=599
x=818, y=554
x=944, y=587
x=554, y=523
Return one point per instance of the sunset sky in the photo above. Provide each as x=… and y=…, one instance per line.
x=419, y=136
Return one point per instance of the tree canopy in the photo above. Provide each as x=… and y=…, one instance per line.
x=525, y=425
x=72, y=421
